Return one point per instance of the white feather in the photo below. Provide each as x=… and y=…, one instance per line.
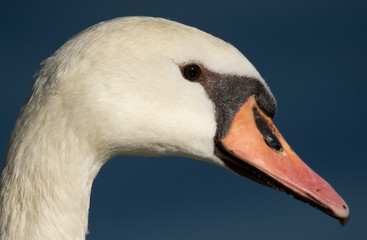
x=114, y=89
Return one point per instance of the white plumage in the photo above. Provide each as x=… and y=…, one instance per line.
x=113, y=89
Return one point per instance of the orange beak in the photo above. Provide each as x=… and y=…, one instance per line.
x=253, y=147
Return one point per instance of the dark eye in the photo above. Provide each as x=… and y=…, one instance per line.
x=192, y=72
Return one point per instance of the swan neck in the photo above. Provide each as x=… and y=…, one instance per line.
x=46, y=180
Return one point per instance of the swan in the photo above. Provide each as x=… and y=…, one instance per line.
x=141, y=86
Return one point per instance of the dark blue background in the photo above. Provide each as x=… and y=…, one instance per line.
x=313, y=56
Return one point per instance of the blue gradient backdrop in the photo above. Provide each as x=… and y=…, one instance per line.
x=313, y=56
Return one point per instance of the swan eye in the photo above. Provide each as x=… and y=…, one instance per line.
x=192, y=72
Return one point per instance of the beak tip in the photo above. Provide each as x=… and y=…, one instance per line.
x=342, y=213
x=344, y=221
x=344, y=216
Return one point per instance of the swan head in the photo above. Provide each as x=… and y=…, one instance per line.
x=153, y=87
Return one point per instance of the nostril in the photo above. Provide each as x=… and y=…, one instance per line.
x=272, y=142
x=345, y=207
x=270, y=139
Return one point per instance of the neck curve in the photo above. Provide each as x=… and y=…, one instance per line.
x=46, y=180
